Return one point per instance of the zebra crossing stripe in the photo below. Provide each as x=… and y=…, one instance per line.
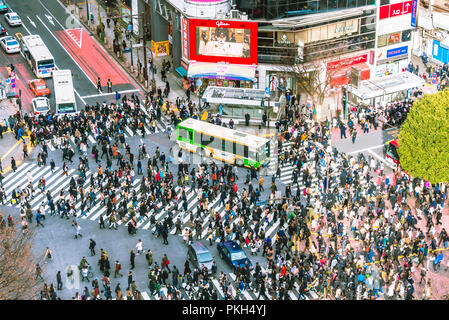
x=244, y=292
x=14, y=176
x=218, y=287
x=103, y=209
x=54, y=192
x=21, y=180
x=145, y=295
x=91, y=139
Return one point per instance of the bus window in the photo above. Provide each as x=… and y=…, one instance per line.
x=252, y=155
x=261, y=155
x=190, y=136
x=392, y=152
x=240, y=150
x=245, y=151
x=229, y=146
x=183, y=134
x=267, y=149
x=223, y=145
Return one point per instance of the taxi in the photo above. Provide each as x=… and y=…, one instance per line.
x=39, y=87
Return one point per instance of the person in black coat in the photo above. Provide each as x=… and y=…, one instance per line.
x=132, y=257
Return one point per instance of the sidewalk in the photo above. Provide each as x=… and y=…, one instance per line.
x=124, y=59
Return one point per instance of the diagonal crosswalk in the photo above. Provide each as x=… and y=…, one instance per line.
x=55, y=182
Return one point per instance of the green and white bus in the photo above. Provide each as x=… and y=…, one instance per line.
x=232, y=146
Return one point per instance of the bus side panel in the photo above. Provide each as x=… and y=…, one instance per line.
x=248, y=163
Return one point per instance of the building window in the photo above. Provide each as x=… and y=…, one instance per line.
x=406, y=35
x=382, y=41
x=394, y=38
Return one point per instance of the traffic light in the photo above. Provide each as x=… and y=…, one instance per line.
x=344, y=96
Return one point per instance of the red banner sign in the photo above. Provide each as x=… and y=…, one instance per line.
x=185, y=37
x=395, y=10
x=347, y=62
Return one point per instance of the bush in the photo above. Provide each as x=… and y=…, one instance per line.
x=424, y=139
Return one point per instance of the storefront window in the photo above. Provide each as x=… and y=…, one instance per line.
x=393, y=38
x=406, y=34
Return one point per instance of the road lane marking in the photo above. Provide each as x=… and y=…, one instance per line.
x=49, y=31
x=381, y=159
x=366, y=149
x=112, y=93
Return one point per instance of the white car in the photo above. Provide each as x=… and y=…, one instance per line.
x=13, y=19
x=10, y=44
x=41, y=105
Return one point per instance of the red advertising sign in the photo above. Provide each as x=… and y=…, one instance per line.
x=347, y=62
x=407, y=8
x=384, y=12
x=223, y=41
x=185, y=37
x=395, y=10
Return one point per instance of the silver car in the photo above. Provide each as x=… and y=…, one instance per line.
x=199, y=255
x=41, y=105
x=10, y=44
x=13, y=19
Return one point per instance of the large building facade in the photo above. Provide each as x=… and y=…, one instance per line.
x=252, y=43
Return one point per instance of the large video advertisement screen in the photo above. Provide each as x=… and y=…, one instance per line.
x=223, y=41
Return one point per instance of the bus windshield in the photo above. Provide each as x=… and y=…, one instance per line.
x=45, y=64
x=66, y=107
x=392, y=152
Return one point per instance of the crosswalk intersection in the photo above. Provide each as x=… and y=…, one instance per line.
x=55, y=182
x=161, y=127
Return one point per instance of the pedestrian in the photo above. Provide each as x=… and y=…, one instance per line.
x=39, y=272
x=130, y=278
x=118, y=267
x=149, y=257
x=354, y=135
x=13, y=164
x=109, y=86
x=132, y=257
x=38, y=219
x=52, y=166
x=92, y=245
x=59, y=280
x=99, y=89
x=139, y=246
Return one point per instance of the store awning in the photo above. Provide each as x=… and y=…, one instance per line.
x=389, y=84
x=181, y=71
x=339, y=78
x=221, y=71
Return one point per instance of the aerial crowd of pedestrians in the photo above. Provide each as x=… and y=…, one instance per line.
x=347, y=229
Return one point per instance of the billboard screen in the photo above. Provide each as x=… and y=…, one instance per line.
x=223, y=41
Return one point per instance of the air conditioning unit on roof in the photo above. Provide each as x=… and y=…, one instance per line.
x=235, y=14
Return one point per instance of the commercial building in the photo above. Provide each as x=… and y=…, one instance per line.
x=396, y=22
x=255, y=43
x=432, y=35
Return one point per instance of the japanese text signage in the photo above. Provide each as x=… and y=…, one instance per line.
x=397, y=51
x=414, y=12
x=395, y=10
x=185, y=37
x=347, y=62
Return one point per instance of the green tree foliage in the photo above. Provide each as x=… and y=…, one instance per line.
x=424, y=139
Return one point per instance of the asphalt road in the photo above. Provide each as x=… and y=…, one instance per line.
x=49, y=19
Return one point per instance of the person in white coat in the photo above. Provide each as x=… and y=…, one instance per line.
x=139, y=246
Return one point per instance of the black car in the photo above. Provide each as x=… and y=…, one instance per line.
x=2, y=29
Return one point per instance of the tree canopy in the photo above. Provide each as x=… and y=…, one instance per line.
x=424, y=139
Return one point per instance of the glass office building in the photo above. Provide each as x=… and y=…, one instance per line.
x=281, y=9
